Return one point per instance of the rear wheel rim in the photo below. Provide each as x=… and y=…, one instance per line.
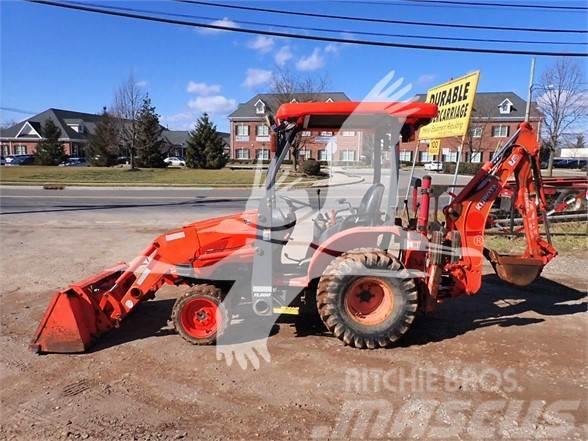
x=200, y=317
x=369, y=301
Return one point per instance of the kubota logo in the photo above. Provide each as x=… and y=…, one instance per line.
x=486, y=196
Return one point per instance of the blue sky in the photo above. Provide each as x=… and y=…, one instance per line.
x=52, y=57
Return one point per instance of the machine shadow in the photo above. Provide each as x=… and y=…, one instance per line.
x=148, y=320
x=497, y=304
x=151, y=318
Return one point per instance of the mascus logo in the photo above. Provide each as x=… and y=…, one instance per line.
x=486, y=196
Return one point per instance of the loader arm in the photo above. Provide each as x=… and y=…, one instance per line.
x=467, y=215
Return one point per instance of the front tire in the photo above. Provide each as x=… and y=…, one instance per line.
x=199, y=316
x=363, y=302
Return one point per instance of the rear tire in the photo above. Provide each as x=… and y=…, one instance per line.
x=199, y=316
x=364, y=305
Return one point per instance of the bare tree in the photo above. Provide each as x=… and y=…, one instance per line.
x=480, y=121
x=562, y=101
x=288, y=85
x=128, y=99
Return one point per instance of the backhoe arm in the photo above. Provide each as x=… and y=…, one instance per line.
x=467, y=215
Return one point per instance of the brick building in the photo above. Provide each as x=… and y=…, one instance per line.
x=251, y=138
x=495, y=117
x=76, y=129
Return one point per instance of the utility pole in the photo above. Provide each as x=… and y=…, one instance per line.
x=530, y=93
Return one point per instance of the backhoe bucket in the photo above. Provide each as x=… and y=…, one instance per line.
x=516, y=270
x=73, y=318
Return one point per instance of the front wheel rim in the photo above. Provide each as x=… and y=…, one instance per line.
x=200, y=318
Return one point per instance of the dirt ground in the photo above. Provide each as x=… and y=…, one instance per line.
x=522, y=347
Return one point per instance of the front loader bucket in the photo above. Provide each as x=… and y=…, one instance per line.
x=73, y=318
x=516, y=270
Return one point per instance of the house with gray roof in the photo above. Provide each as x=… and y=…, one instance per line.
x=76, y=128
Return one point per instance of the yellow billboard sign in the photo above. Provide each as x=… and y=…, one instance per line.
x=455, y=100
x=434, y=146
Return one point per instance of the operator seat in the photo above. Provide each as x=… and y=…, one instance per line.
x=367, y=214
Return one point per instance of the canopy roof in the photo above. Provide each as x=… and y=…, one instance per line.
x=355, y=114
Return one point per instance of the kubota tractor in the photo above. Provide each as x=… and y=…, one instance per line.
x=370, y=265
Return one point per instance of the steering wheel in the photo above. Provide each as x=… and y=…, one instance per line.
x=295, y=204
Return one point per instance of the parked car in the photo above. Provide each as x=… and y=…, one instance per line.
x=20, y=160
x=74, y=162
x=2, y=160
x=174, y=161
x=434, y=166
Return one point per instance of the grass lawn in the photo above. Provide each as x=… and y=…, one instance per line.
x=96, y=176
x=567, y=237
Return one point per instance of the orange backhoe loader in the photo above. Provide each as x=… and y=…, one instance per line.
x=367, y=269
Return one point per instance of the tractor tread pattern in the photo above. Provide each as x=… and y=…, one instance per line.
x=334, y=281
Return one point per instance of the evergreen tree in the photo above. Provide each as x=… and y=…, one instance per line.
x=149, y=142
x=205, y=147
x=50, y=150
x=103, y=146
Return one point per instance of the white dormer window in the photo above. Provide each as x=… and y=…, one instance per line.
x=293, y=100
x=329, y=100
x=505, y=107
x=260, y=107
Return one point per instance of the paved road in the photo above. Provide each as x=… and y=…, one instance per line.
x=35, y=200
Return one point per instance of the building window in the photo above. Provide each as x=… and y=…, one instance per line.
x=476, y=157
x=5, y=150
x=20, y=149
x=406, y=155
x=259, y=107
x=262, y=154
x=347, y=133
x=242, y=153
x=262, y=130
x=326, y=133
x=304, y=153
x=306, y=133
x=477, y=132
x=499, y=131
x=450, y=156
x=348, y=155
x=242, y=130
x=505, y=107
x=324, y=155
x=425, y=157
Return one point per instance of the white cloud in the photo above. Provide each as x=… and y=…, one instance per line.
x=331, y=49
x=262, y=43
x=283, y=55
x=142, y=83
x=203, y=88
x=313, y=62
x=213, y=104
x=225, y=23
x=256, y=77
x=425, y=79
